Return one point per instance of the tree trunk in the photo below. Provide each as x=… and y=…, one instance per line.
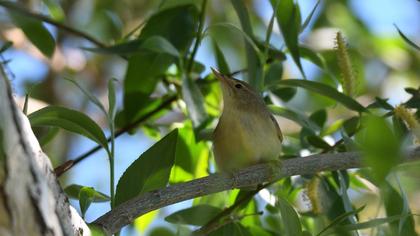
x=31, y=199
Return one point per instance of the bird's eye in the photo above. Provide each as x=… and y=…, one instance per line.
x=238, y=86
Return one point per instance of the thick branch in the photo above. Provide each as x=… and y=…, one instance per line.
x=125, y=213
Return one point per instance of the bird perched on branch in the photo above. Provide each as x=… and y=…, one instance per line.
x=247, y=132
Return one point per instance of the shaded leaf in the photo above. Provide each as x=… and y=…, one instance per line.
x=319, y=117
x=89, y=95
x=318, y=142
x=308, y=19
x=73, y=191
x=351, y=125
x=285, y=94
x=294, y=116
x=312, y=56
x=290, y=218
x=48, y=136
x=222, y=64
x=340, y=218
x=232, y=229
x=254, y=62
x=150, y=171
x=273, y=74
x=288, y=18
x=325, y=90
x=70, y=120
x=194, y=100
x=406, y=39
x=394, y=206
x=112, y=98
x=33, y=29
x=197, y=215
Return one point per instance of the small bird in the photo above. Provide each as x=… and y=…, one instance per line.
x=247, y=132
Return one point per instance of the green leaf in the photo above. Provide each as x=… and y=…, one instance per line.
x=340, y=218
x=222, y=64
x=150, y=171
x=48, y=136
x=380, y=146
x=86, y=196
x=159, y=44
x=394, y=205
x=319, y=117
x=318, y=142
x=178, y=25
x=308, y=19
x=194, y=100
x=351, y=125
x=325, y=90
x=33, y=29
x=254, y=62
x=293, y=116
x=288, y=18
x=112, y=98
x=73, y=191
x=369, y=224
x=89, y=95
x=312, y=56
x=273, y=74
x=285, y=94
x=381, y=103
x=406, y=39
x=290, y=218
x=141, y=79
x=197, y=215
x=70, y=120
x=232, y=229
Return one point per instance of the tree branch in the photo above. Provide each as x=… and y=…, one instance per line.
x=125, y=213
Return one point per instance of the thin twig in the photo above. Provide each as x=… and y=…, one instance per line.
x=46, y=19
x=61, y=169
x=126, y=212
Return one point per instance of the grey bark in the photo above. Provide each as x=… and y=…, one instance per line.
x=31, y=200
x=125, y=213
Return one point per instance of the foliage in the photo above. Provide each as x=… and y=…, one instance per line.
x=337, y=107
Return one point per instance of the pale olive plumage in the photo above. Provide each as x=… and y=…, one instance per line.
x=247, y=133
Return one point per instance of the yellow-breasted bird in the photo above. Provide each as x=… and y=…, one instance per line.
x=247, y=132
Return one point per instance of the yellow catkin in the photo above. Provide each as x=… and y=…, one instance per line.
x=344, y=63
x=404, y=114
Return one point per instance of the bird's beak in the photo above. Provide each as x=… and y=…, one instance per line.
x=223, y=78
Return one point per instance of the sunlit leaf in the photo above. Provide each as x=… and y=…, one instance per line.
x=197, y=215
x=86, y=196
x=379, y=144
x=73, y=191
x=112, y=99
x=70, y=120
x=150, y=171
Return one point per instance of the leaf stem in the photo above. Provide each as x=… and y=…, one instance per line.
x=199, y=36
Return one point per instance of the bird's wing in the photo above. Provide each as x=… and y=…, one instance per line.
x=279, y=134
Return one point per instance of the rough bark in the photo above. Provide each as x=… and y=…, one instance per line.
x=31, y=200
